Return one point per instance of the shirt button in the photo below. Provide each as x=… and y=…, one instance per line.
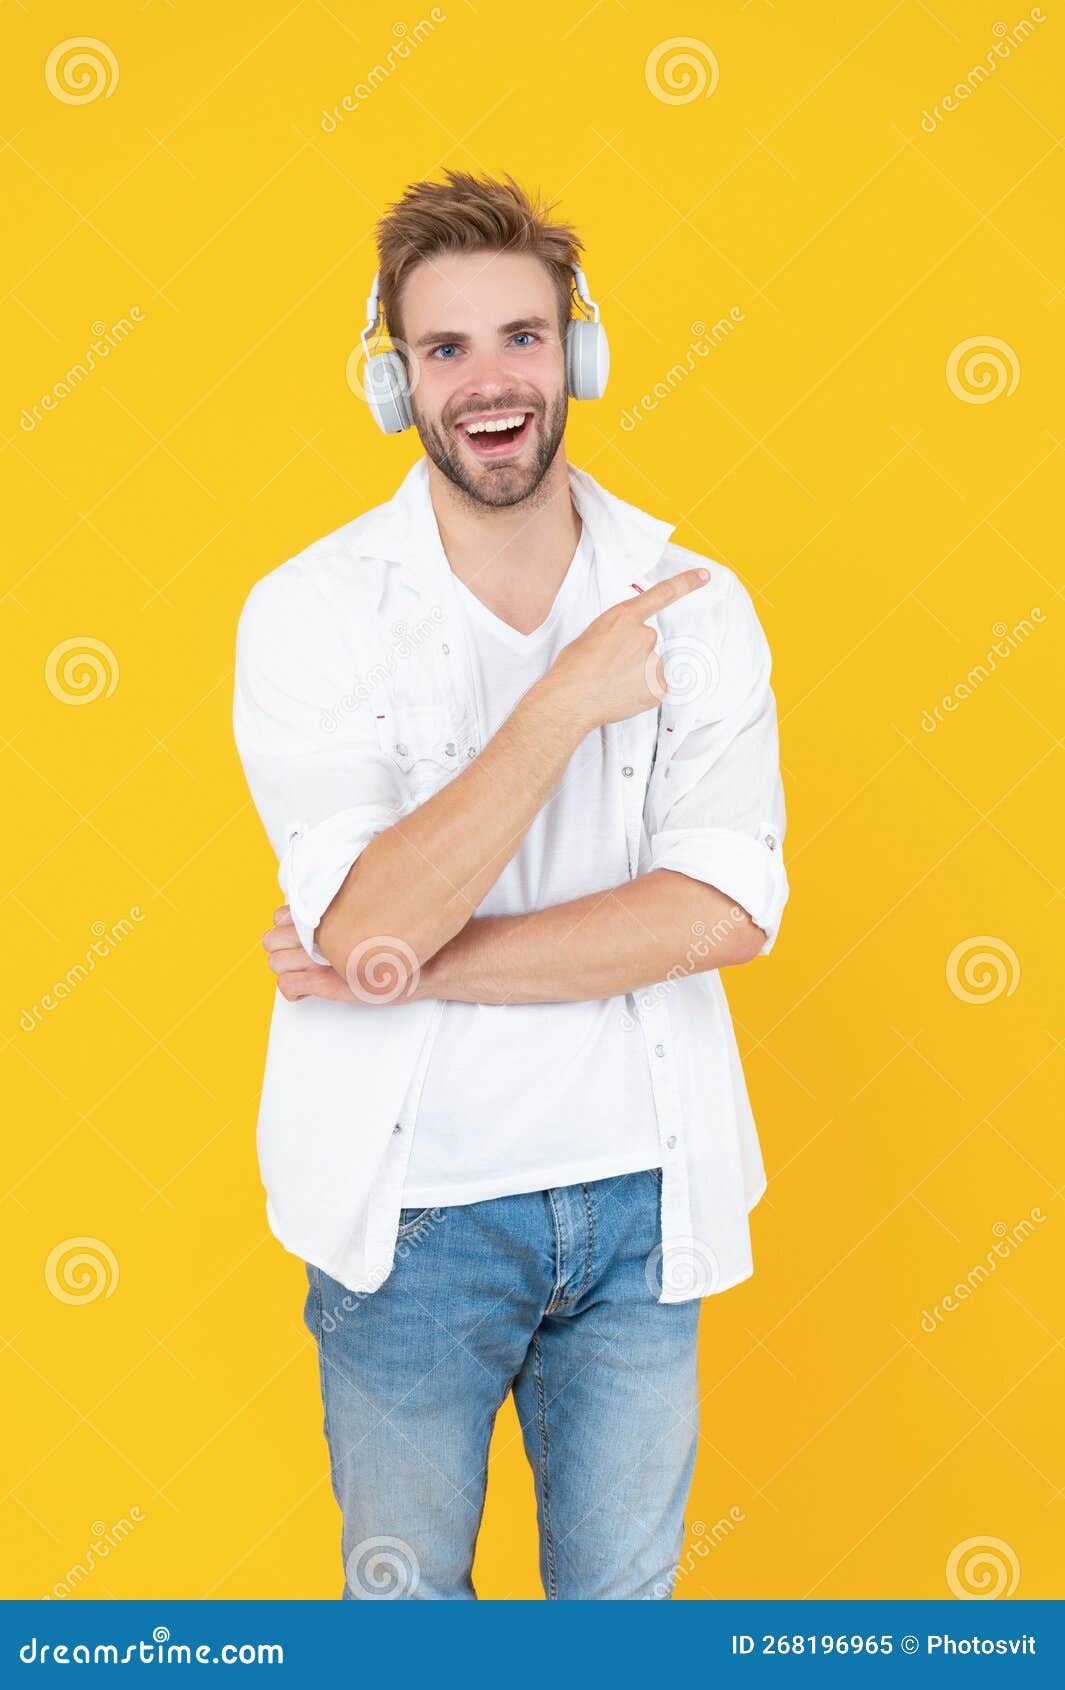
x=450, y=748
x=771, y=841
x=472, y=752
x=446, y=649
x=660, y=1050
x=627, y=770
x=397, y=1128
x=671, y=1142
x=401, y=750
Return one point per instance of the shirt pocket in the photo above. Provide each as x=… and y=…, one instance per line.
x=423, y=747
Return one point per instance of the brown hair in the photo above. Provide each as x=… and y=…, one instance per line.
x=467, y=215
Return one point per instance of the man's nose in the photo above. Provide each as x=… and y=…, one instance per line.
x=487, y=369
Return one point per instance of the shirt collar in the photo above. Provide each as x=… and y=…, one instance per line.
x=628, y=542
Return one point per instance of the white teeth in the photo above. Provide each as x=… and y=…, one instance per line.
x=494, y=425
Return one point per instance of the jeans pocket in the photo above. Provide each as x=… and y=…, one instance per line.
x=411, y=1220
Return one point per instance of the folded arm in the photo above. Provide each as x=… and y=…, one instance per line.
x=714, y=885
x=660, y=926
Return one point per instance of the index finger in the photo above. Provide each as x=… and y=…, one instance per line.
x=666, y=592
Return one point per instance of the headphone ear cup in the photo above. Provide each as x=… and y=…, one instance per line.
x=387, y=390
x=587, y=359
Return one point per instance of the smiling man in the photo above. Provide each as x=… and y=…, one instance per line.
x=517, y=755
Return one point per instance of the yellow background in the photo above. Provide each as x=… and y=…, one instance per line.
x=884, y=524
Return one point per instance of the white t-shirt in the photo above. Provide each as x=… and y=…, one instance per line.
x=520, y=1097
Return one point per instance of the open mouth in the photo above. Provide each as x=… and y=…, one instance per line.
x=497, y=437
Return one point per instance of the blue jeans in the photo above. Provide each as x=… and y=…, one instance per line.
x=551, y=1294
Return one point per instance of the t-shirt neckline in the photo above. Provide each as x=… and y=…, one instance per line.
x=513, y=636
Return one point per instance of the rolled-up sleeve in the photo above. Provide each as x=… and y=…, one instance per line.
x=308, y=745
x=717, y=806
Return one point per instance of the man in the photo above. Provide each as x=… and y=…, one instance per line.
x=521, y=830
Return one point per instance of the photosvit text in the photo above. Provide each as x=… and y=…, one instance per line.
x=934, y=1643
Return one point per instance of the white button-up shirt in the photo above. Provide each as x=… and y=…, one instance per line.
x=353, y=703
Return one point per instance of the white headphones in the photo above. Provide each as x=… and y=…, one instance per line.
x=387, y=389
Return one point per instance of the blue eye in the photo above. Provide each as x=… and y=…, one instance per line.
x=448, y=345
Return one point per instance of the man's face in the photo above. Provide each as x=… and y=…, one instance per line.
x=484, y=329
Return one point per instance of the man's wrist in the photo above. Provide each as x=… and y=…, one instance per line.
x=564, y=716
x=462, y=970
x=428, y=975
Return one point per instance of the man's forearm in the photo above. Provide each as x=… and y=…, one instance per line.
x=599, y=946
x=420, y=880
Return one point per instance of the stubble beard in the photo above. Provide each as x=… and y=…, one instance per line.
x=496, y=485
